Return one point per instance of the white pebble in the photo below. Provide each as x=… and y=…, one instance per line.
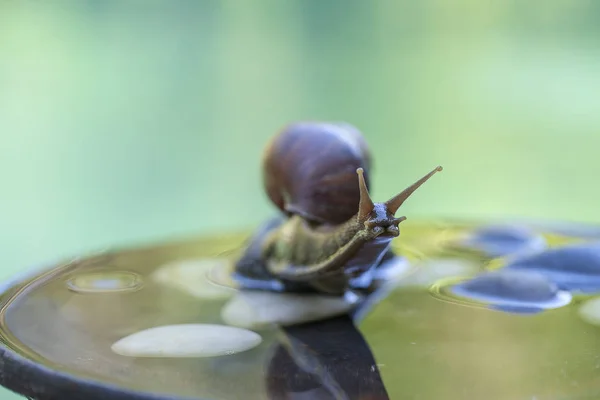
x=187, y=340
x=590, y=311
x=256, y=309
x=191, y=277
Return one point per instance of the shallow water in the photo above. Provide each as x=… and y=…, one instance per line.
x=448, y=322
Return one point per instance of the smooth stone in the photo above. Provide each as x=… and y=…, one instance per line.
x=573, y=267
x=428, y=272
x=502, y=240
x=511, y=309
x=393, y=268
x=515, y=285
x=511, y=289
x=244, y=282
x=187, y=340
x=579, y=230
x=590, y=311
x=256, y=309
x=192, y=277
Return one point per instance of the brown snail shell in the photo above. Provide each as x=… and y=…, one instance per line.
x=309, y=169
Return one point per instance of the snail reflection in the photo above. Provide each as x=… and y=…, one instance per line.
x=324, y=360
x=317, y=175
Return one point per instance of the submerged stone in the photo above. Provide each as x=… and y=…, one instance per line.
x=574, y=267
x=427, y=272
x=523, y=310
x=393, y=268
x=187, y=340
x=514, y=285
x=502, y=240
x=256, y=309
x=192, y=277
x=579, y=230
x=513, y=290
x=590, y=311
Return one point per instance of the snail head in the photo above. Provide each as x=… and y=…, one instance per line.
x=379, y=218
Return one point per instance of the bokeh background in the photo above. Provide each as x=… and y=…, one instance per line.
x=126, y=122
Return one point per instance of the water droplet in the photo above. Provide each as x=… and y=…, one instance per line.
x=105, y=282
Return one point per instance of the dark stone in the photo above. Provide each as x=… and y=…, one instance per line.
x=498, y=241
x=573, y=267
x=509, y=287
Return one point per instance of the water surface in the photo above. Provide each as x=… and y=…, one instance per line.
x=410, y=339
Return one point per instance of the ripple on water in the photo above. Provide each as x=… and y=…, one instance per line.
x=573, y=267
x=105, y=282
x=502, y=240
x=187, y=340
x=513, y=291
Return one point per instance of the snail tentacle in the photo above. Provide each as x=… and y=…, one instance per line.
x=395, y=202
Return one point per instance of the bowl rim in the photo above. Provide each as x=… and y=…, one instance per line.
x=26, y=377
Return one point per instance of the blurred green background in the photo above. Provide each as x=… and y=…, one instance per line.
x=124, y=122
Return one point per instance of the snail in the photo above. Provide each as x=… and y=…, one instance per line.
x=330, y=231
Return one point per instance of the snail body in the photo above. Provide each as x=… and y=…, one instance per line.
x=332, y=231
